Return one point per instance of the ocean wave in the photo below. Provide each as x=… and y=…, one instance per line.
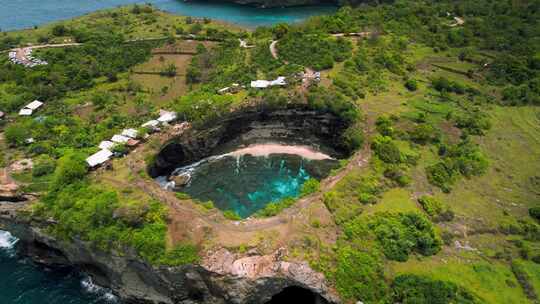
x=7, y=242
x=102, y=293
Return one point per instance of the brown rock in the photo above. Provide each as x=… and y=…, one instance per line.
x=180, y=180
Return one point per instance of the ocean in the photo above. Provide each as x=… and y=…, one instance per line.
x=20, y=14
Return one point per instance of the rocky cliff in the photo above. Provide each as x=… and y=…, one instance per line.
x=223, y=277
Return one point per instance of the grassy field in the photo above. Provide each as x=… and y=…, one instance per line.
x=147, y=24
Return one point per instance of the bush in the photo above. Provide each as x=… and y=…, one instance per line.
x=400, y=234
x=359, y=275
x=534, y=212
x=43, y=165
x=431, y=205
x=275, y=208
x=410, y=288
x=231, y=215
x=424, y=133
x=59, y=30
x=181, y=255
x=17, y=133
x=70, y=168
x=441, y=175
x=411, y=85
x=316, y=51
x=386, y=149
x=310, y=186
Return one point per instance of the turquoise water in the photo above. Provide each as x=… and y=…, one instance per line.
x=247, y=184
x=19, y=14
x=22, y=282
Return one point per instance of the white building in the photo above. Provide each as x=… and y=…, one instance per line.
x=166, y=116
x=150, y=124
x=131, y=133
x=25, y=112
x=99, y=158
x=120, y=139
x=106, y=145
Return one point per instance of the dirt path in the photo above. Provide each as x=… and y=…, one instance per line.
x=273, y=49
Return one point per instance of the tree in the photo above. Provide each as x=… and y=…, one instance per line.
x=43, y=165
x=280, y=30
x=59, y=30
x=17, y=133
x=71, y=167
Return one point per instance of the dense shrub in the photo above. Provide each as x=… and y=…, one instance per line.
x=534, y=212
x=442, y=84
x=387, y=150
x=313, y=50
x=442, y=175
x=70, y=168
x=464, y=159
x=310, y=186
x=411, y=84
x=401, y=234
x=424, y=133
x=431, y=205
x=274, y=208
x=359, y=275
x=231, y=215
x=43, y=165
x=409, y=288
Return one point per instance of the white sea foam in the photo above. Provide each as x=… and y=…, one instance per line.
x=7, y=241
x=103, y=293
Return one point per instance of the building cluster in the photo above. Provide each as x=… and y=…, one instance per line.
x=25, y=58
x=129, y=138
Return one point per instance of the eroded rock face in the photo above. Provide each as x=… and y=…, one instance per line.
x=223, y=277
x=271, y=269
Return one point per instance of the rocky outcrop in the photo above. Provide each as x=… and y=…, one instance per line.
x=11, y=193
x=291, y=126
x=223, y=277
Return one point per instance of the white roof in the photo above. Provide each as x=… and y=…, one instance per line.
x=167, y=117
x=260, y=84
x=106, y=145
x=279, y=81
x=120, y=139
x=151, y=123
x=25, y=112
x=34, y=105
x=99, y=158
x=130, y=133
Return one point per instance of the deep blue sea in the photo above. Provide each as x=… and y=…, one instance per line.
x=19, y=14
x=22, y=282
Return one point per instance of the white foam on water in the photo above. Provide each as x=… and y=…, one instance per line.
x=257, y=150
x=103, y=293
x=7, y=240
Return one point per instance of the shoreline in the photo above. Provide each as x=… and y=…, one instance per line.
x=265, y=150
